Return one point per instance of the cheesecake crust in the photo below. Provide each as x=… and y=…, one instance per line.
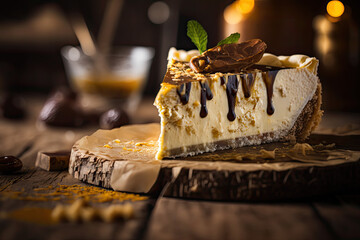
x=309, y=118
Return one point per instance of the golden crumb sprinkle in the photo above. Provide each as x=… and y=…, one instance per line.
x=81, y=211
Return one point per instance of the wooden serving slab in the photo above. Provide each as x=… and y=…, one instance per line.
x=247, y=173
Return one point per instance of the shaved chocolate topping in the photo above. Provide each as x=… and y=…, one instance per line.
x=229, y=57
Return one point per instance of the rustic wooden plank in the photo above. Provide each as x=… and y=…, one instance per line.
x=123, y=229
x=341, y=217
x=15, y=137
x=50, y=139
x=351, y=142
x=230, y=180
x=174, y=220
x=263, y=185
x=179, y=219
x=53, y=139
x=16, y=134
x=38, y=178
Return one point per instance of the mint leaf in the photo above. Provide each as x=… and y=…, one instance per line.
x=198, y=35
x=233, y=38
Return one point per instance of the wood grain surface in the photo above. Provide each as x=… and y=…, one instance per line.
x=325, y=217
x=199, y=179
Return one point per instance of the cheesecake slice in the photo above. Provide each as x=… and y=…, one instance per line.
x=277, y=98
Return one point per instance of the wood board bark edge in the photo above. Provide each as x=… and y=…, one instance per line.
x=227, y=185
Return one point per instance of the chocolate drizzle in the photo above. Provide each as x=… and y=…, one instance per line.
x=184, y=96
x=206, y=94
x=247, y=81
x=231, y=91
x=269, y=79
x=222, y=80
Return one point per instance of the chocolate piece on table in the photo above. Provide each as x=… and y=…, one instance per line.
x=229, y=57
x=53, y=161
x=9, y=164
x=62, y=109
x=114, y=118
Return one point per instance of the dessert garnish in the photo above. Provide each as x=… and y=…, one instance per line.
x=227, y=56
x=231, y=57
x=199, y=36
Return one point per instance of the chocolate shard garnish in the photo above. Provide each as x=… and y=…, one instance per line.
x=229, y=57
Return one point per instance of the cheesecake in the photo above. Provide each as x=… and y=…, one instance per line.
x=235, y=95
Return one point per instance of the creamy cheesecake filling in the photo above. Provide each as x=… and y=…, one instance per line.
x=200, y=109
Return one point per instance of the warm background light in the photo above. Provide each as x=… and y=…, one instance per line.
x=335, y=8
x=236, y=11
x=232, y=15
x=245, y=6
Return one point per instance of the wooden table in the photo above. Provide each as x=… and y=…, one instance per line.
x=328, y=217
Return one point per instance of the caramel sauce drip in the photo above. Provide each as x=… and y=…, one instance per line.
x=206, y=94
x=269, y=79
x=184, y=96
x=247, y=81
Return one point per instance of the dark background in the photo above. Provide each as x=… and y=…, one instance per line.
x=30, y=61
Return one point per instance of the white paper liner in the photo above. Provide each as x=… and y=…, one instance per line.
x=134, y=176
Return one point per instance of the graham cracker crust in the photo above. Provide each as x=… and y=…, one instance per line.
x=309, y=118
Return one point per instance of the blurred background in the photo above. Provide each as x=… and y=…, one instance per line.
x=32, y=34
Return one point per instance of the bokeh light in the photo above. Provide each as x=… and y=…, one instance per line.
x=158, y=12
x=238, y=10
x=335, y=8
x=232, y=15
x=245, y=6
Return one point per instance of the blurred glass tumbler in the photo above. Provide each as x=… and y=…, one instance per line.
x=115, y=80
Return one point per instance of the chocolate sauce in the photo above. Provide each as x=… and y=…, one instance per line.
x=231, y=90
x=206, y=94
x=184, y=98
x=222, y=80
x=269, y=79
x=265, y=68
x=247, y=81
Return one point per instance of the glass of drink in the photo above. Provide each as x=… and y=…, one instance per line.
x=107, y=81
